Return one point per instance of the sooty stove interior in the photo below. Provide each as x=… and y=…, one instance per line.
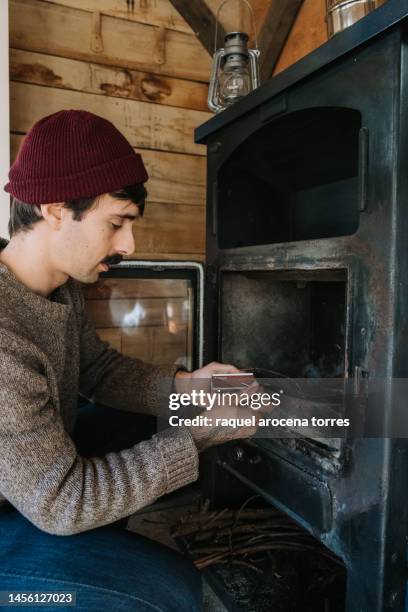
x=296, y=179
x=290, y=323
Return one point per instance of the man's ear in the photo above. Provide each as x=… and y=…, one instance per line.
x=53, y=214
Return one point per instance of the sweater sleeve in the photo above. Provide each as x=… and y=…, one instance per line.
x=116, y=380
x=59, y=491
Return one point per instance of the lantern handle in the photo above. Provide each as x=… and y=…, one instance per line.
x=252, y=19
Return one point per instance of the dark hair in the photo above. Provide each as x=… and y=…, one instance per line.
x=23, y=216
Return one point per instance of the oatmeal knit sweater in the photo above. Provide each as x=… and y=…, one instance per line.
x=48, y=354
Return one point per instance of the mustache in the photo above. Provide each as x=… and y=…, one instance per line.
x=112, y=260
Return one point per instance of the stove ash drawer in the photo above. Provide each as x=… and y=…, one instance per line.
x=298, y=493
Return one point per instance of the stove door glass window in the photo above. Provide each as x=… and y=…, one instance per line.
x=147, y=318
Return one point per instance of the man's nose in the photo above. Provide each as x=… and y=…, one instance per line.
x=125, y=242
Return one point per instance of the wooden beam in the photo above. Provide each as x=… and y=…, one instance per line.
x=310, y=19
x=278, y=23
x=234, y=16
x=202, y=21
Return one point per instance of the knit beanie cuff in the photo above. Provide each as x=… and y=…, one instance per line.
x=70, y=155
x=107, y=178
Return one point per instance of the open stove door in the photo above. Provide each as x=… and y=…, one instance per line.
x=151, y=310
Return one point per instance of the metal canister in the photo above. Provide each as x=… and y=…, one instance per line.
x=343, y=13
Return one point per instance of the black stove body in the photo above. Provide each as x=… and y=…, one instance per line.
x=307, y=268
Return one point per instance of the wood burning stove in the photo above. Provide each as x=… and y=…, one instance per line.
x=307, y=275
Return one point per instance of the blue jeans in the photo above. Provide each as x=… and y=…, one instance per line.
x=110, y=569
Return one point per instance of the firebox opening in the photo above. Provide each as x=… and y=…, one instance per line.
x=292, y=323
x=296, y=178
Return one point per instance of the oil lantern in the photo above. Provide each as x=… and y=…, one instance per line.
x=235, y=69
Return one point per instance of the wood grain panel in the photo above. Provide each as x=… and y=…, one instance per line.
x=170, y=228
x=173, y=177
x=176, y=178
x=64, y=73
x=148, y=126
x=308, y=32
x=46, y=27
x=152, y=12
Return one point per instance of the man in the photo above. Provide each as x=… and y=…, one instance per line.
x=77, y=188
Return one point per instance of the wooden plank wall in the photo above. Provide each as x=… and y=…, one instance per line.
x=309, y=32
x=147, y=73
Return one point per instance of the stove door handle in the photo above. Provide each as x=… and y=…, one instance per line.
x=363, y=143
x=214, y=208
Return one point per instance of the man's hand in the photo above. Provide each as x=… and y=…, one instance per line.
x=182, y=377
x=209, y=435
x=200, y=380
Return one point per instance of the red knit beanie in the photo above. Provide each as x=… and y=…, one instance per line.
x=73, y=154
